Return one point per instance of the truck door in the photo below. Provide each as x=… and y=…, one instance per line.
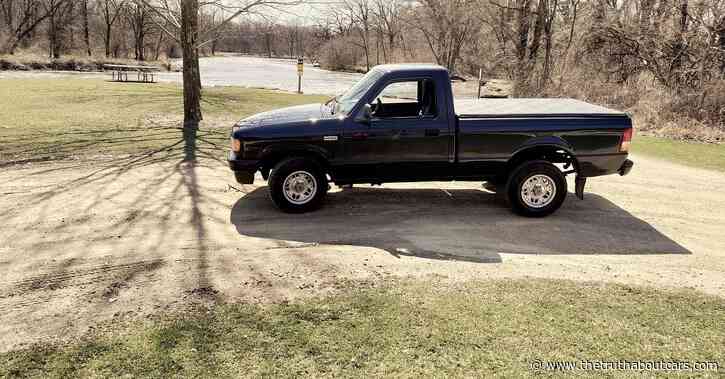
x=407, y=136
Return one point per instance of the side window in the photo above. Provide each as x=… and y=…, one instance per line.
x=415, y=98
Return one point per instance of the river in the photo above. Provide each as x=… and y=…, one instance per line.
x=253, y=72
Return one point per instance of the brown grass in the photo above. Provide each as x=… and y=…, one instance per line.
x=657, y=111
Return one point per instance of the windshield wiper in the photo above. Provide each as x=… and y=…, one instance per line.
x=334, y=98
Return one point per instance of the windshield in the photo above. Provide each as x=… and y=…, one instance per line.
x=347, y=100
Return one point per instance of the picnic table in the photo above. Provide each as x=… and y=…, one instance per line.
x=119, y=72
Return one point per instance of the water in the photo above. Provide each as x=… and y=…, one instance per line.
x=251, y=72
x=268, y=73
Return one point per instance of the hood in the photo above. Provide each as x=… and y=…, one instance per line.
x=296, y=114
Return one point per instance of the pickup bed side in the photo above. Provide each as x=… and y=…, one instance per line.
x=492, y=145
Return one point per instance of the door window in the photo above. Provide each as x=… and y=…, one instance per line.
x=415, y=98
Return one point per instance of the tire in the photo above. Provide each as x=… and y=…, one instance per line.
x=529, y=184
x=306, y=185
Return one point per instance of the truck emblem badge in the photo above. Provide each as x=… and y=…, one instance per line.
x=330, y=138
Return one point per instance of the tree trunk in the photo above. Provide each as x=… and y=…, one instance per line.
x=159, y=41
x=53, y=47
x=548, y=28
x=192, y=84
x=268, y=43
x=522, y=71
x=140, y=46
x=108, y=40
x=721, y=39
x=86, y=37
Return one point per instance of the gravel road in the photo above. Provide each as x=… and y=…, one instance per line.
x=89, y=241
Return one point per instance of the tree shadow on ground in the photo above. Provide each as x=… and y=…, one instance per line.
x=462, y=225
x=86, y=212
x=185, y=150
x=153, y=138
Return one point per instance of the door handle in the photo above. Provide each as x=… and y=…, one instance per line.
x=432, y=132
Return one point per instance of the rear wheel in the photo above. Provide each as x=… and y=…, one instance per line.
x=297, y=185
x=536, y=189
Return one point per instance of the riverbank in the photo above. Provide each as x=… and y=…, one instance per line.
x=34, y=62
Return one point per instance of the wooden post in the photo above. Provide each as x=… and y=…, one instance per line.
x=480, y=77
x=300, y=70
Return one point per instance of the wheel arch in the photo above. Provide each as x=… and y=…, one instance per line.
x=272, y=155
x=551, y=149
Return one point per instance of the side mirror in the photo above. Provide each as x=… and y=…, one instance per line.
x=365, y=114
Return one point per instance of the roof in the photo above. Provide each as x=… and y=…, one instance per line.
x=410, y=67
x=530, y=106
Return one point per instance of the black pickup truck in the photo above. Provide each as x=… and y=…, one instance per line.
x=400, y=123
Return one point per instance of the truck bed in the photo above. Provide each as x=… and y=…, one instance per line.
x=496, y=108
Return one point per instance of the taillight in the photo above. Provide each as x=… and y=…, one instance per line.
x=626, y=140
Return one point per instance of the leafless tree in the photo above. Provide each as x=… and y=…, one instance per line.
x=23, y=17
x=111, y=10
x=59, y=11
x=141, y=21
x=360, y=12
x=181, y=22
x=447, y=26
x=86, y=30
x=388, y=14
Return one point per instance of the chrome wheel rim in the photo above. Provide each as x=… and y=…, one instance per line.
x=299, y=187
x=538, y=191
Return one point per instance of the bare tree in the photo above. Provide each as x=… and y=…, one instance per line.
x=141, y=21
x=58, y=11
x=86, y=31
x=111, y=10
x=182, y=24
x=387, y=14
x=360, y=12
x=23, y=17
x=447, y=26
x=267, y=30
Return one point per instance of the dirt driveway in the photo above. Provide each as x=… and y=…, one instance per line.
x=83, y=242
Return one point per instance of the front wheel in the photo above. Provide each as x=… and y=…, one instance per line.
x=536, y=189
x=297, y=185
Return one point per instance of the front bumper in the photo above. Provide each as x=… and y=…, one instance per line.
x=626, y=167
x=244, y=169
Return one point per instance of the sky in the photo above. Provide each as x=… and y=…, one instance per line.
x=305, y=13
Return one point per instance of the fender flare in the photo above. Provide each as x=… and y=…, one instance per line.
x=273, y=153
x=546, y=142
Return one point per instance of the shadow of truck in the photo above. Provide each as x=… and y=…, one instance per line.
x=464, y=225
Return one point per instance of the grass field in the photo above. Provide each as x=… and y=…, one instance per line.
x=61, y=118
x=409, y=329
x=695, y=154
